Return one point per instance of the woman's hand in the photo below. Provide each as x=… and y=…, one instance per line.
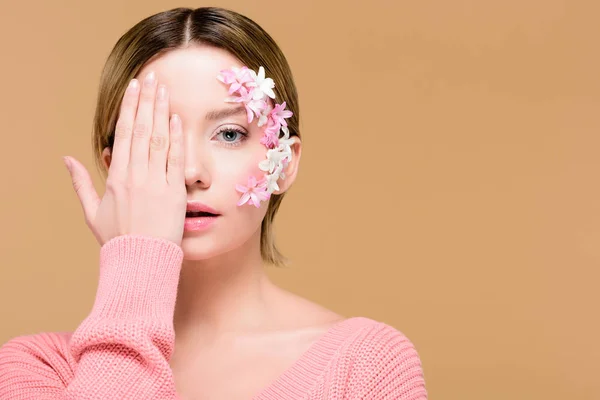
x=145, y=188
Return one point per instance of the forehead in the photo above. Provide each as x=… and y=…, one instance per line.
x=191, y=75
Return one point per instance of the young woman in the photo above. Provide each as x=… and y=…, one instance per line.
x=196, y=129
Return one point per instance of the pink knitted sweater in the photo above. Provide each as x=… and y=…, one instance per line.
x=121, y=350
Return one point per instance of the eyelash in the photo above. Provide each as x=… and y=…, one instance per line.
x=243, y=134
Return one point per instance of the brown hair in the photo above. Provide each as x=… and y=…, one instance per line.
x=178, y=28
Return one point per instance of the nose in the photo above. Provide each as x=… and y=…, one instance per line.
x=196, y=163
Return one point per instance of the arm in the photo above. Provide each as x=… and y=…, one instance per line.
x=122, y=349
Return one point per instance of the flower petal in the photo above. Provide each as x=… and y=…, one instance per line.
x=264, y=165
x=245, y=197
x=252, y=181
x=254, y=200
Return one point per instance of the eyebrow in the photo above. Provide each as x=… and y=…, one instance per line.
x=224, y=113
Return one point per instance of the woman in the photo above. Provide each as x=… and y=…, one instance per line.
x=196, y=129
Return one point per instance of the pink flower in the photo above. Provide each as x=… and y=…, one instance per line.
x=236, y=77
x=253, y=107
x=270, y=140
x=255, y=192
x=279, y=113
x=271, y=135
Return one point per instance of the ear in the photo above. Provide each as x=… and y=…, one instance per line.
x=291, y=170
x=106, y=157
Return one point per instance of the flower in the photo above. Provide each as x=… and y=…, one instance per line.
x=261, y=84
x=265, y=115
x=236, y=77
x=270, y=139
x=272, y=182
x=279, y=114
x=253, y=107
x=285, y=146
x=255, y=192
x=271, y=134
x=274, y=157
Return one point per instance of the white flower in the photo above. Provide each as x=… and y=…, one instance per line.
x=262, y=85
x=272, y=182
x=264, y=116
x=285, y=149
x=274, y=158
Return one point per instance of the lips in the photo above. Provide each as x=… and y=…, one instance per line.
x=196, y=209
x=195, y=214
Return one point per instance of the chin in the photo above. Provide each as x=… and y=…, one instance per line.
x=202, y=246
x=207, y=245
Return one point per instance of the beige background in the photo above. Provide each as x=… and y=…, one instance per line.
x=449, y=181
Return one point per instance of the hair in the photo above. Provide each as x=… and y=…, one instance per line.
x=179, y=28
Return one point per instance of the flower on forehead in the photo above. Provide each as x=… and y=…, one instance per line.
x=236, y=77
x=262, y=86
x=255, y=192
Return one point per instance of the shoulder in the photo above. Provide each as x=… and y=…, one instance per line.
x=381, y=362
x=36, y=359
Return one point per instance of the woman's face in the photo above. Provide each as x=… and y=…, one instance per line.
x=220, y=150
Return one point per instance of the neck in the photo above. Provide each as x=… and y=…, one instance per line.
x=228, y=293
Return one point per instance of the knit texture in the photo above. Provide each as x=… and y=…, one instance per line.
x=121, y=350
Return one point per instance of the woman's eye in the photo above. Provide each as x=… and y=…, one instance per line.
x=231, y=136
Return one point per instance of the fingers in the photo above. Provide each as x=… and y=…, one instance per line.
x=159, y=141
x=82, y=183
x=123, y=131
x=142, y=129
x=175, y=160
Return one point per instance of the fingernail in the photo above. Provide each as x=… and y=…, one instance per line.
x=67, y=163
x=149, y=79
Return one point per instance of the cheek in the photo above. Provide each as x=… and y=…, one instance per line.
x=237, y=167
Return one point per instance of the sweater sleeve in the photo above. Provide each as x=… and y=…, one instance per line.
x=122, y=349
x=387, y=366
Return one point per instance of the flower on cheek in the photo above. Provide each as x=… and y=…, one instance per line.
x=254, y=193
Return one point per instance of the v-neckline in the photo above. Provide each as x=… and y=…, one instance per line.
x=311, y=363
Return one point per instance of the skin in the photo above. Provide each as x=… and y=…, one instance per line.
x=230, y=318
